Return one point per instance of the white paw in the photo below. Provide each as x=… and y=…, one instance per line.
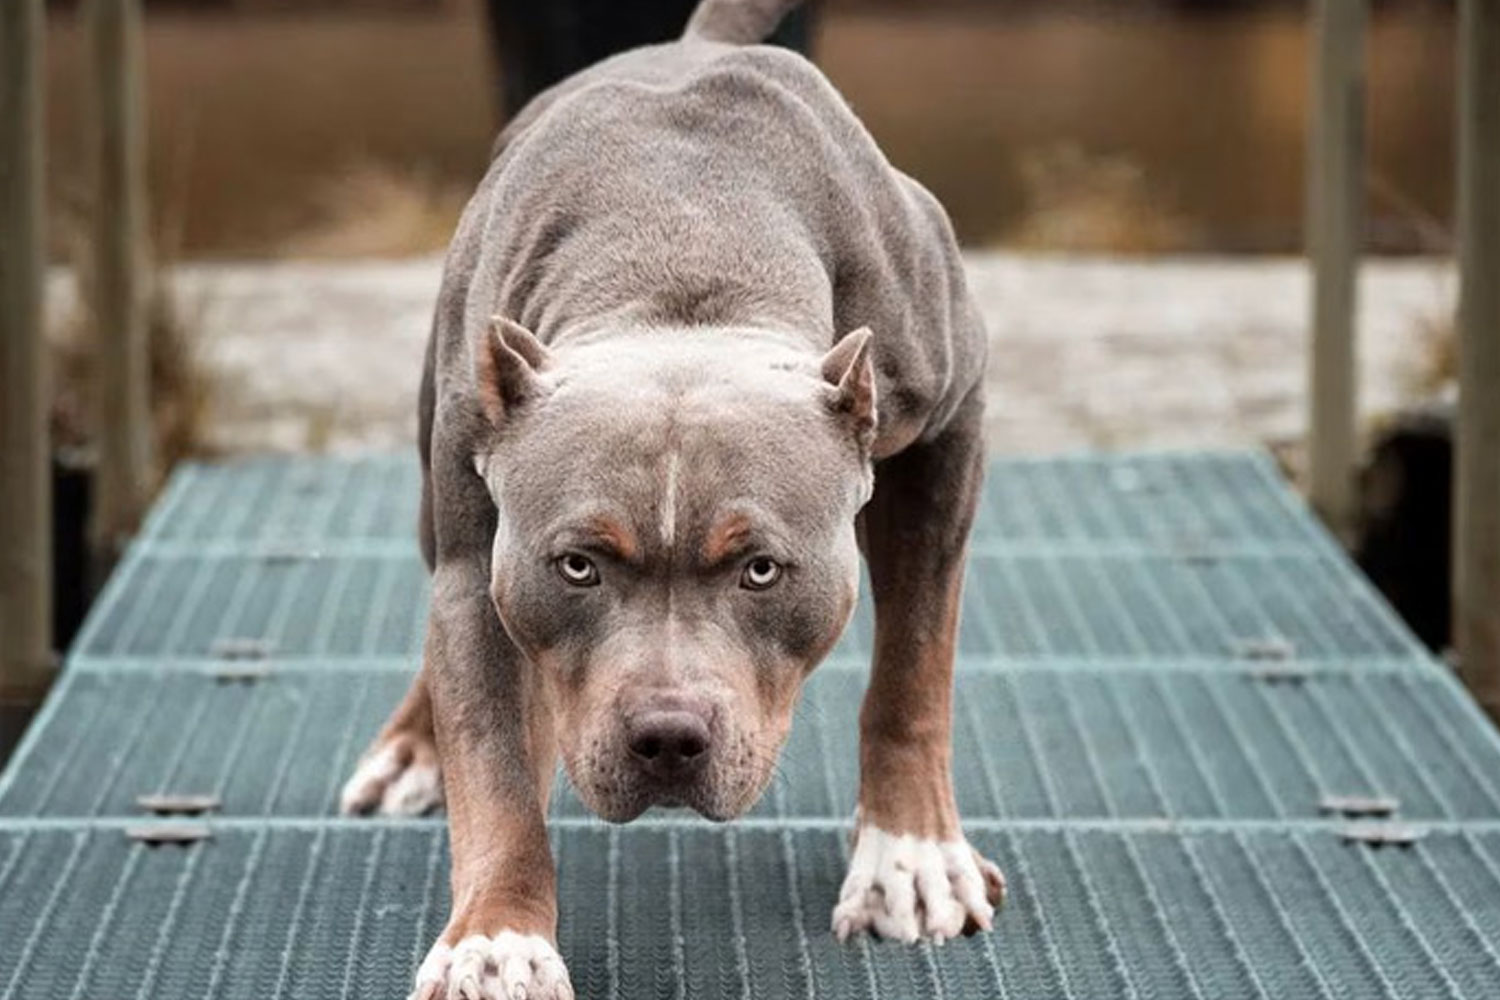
x=508, y=966
x=906, y=888
x=399, y=778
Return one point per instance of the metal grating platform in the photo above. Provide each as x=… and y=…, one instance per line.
x=314, y=911
x=1016, y=606
x=1166, y=667
x=1029, y=744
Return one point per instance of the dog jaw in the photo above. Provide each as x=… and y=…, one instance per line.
x=734, y=782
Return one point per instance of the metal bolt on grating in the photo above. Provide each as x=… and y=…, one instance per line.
x=168, y=804
x=241, y=648
x=1359, y=805
x=1271, y=647
x=156, y=834
x=1196, y=555
x=287, y=554
x=241, y=675
x=1382, y=834
x=1288, y=674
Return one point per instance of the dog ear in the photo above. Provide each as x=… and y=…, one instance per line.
x=506, y=363
x=850, y=370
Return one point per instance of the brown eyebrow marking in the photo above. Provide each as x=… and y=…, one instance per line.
x=726, y=537
x=613, y=535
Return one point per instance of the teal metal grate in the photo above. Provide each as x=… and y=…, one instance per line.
x=1186, y=501
x=1029, y=744
x=1166, y=667
x=311, y=911
x=1015, y=606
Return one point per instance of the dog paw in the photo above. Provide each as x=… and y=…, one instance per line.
x=508, y=966
x=906, y=888
x=398, y=777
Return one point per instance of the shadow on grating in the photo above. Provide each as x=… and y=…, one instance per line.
x=312, y=912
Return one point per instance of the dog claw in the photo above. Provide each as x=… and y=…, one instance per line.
x=398, y=777
x=907, y=888
x=508, y=966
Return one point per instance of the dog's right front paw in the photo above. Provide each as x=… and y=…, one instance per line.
x=508, y=966
x=908, y=888
x=398, y=777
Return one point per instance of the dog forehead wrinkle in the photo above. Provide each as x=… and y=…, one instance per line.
x=672, y=455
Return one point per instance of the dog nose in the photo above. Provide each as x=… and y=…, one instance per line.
x=670, y=742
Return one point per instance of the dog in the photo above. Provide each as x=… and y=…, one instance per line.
x=698, y=345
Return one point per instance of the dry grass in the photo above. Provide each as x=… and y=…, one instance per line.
x=181, y=386
x=1436, y=368
x=1094, y=204
x=377, y=210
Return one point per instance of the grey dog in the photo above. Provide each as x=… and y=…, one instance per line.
x=698, y=346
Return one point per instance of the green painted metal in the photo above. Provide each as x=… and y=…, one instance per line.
x=1166, y=668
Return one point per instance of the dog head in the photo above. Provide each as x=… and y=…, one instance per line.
x=675, y=545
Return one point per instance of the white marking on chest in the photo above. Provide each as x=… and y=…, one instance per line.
x=669, y=501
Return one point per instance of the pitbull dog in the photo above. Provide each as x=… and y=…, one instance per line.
x=698, y=344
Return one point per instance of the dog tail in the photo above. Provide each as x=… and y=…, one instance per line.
x=738, y=22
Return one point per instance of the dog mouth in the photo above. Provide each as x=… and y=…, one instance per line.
x=617, y=796
x=621, y=803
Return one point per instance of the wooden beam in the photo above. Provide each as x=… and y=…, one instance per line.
x=1476, y=559
x=25, y=468
x=1333, y=222
x=125, y=472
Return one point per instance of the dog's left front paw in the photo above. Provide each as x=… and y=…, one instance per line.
x=907, y=888
x=398, y=777
x=508, y=966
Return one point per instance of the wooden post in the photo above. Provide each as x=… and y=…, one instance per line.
x=25, y=469
x=124, y=475
x=1333, y=223
x=1476, y=556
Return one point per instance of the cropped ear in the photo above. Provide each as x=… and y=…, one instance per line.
x=506, y=362
x=849, y=369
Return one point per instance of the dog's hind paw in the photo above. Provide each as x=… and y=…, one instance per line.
x=508, y=966
x=398, y=777
x=908, y=888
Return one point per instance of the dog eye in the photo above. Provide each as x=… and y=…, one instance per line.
x=578, y=570
x=760, y=573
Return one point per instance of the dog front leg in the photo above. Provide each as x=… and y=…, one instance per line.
x=497, y=746
x=913, y=875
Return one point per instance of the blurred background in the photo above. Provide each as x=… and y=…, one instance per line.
x=329, y=128
x=326, y=131
x=1127, y=179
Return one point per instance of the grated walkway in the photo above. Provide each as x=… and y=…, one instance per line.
x=1166, y=668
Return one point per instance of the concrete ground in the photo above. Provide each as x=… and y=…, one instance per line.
x=1086, y=352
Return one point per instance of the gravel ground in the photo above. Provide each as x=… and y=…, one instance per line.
x=1087, y=353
